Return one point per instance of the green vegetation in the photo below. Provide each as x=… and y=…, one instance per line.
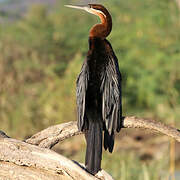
x=42, y=53
x=128, y=167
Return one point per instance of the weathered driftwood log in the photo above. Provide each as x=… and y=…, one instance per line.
x=23, y=160
x=54, y=134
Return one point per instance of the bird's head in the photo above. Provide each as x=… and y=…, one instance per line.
x=95, y=9
x=102, y=13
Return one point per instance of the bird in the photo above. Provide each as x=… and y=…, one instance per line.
x=98, y=91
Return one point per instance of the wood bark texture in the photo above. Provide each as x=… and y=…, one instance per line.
x=20, y=160
x=54, y=134
x=33, y=159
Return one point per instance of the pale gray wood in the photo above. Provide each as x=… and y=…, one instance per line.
x=23, y=160
x=47, y=138
x=11, y=171
x=42, y=159
x=54, y=134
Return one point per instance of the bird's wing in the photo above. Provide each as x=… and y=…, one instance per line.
x=111, y=93
x=81, y=87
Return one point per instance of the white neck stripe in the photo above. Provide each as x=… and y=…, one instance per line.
x=91, y=10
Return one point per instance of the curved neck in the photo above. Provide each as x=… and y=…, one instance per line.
x=103, y=29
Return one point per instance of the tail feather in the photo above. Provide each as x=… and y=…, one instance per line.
x=108, y=141
x=94, y=147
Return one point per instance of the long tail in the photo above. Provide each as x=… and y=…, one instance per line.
x=94, y=147
x=108, y=141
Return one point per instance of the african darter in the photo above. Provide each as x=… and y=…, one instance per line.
x=98, y=91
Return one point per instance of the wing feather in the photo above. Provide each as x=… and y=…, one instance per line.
x=81, y=87
x=111, y=95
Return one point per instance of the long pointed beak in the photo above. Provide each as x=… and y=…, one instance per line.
x=86, y=8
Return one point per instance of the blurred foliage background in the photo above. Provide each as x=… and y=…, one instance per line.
x=42, y=47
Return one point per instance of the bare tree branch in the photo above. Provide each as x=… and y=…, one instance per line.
x=47, y=138
x=23, y=161
x=27, y=161
x=54, y=134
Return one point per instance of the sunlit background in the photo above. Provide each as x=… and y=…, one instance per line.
x=42, y=47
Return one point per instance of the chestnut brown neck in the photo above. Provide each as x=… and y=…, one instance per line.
x=103, y=29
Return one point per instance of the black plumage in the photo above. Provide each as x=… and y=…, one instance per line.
x=99, y=101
